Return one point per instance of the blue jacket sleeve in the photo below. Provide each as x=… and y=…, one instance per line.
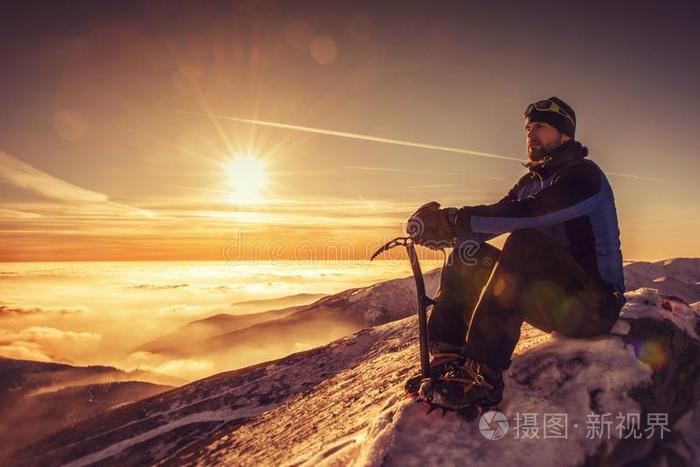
x=573, y=193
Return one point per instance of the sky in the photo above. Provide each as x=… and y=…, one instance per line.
x=111, y=145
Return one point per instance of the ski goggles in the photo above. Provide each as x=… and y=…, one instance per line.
x=548, y=106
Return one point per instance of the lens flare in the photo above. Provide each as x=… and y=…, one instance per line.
x=653, y=353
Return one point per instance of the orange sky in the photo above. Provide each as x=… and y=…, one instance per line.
x=97, y=163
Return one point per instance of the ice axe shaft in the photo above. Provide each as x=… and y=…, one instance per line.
x=423, y=302
x=423, y=299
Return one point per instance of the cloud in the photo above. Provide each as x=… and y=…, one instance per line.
x=391, y=169
x=180, y=310
x=22, y=175
x=10, y=214
x=222, y=288
x=182, y=368
x=48, y=344
x=25, y=351
x=8, y=309
x=39, y=334
x=156, y=287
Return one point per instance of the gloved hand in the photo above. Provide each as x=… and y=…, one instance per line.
x=432, y=226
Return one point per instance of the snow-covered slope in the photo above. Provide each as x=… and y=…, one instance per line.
x=343, y=403
x=678, y=276
x=37, y=398
x=363, y=417
x=30, y=418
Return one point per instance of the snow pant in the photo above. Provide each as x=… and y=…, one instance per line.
x=533, y=279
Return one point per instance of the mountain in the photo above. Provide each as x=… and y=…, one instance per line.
x=343, y=404
x=31, y=417
x=37, y=398
x=285, y=331
x=677, y=276
x=211, y=326
x=25, y=377
x=221, y=322
x=249, y=306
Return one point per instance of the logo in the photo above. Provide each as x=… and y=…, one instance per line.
x=493, y=425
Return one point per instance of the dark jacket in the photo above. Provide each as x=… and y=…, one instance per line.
x=566, y=196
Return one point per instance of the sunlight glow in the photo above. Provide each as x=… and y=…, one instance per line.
x=248, y=177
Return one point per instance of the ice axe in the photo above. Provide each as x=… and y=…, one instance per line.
x=426, y=387
x=423, y=300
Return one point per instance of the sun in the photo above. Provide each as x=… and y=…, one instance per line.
x=248, y=178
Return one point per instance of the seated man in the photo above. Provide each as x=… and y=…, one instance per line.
x=560, y=268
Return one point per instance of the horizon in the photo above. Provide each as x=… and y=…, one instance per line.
x=282, y=260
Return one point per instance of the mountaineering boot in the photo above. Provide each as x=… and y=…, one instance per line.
x=460, y=386
x=443, y=358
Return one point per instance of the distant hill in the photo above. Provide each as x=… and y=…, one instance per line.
x=677, y=276
x=275, y=303
x=212, y=326
x=28, y=377
x=282, y=332
x=37, y=398
x=221, y=323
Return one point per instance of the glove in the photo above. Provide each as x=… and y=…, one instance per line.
x=432, y=226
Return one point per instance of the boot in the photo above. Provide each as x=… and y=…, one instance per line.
x=461, y=386
x=443, y=358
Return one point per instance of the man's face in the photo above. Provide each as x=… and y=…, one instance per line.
x=541, y=139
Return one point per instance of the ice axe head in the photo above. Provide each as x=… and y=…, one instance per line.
x=398, y=241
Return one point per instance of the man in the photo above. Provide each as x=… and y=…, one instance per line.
x=560, y=268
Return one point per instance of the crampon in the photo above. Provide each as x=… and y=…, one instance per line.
x=469, y=413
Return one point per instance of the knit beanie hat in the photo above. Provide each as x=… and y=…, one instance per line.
x=554, y=111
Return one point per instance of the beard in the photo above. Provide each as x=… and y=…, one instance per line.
x=537, y=152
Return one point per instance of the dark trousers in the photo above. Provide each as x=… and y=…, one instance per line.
x=532, y=279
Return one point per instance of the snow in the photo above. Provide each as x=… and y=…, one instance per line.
x=404, y=435
x=198, y=417
x=386, y=301
x=678, y=276
x=343, y=404
x=361, y=416
x=648, y=303
x=349, y=420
